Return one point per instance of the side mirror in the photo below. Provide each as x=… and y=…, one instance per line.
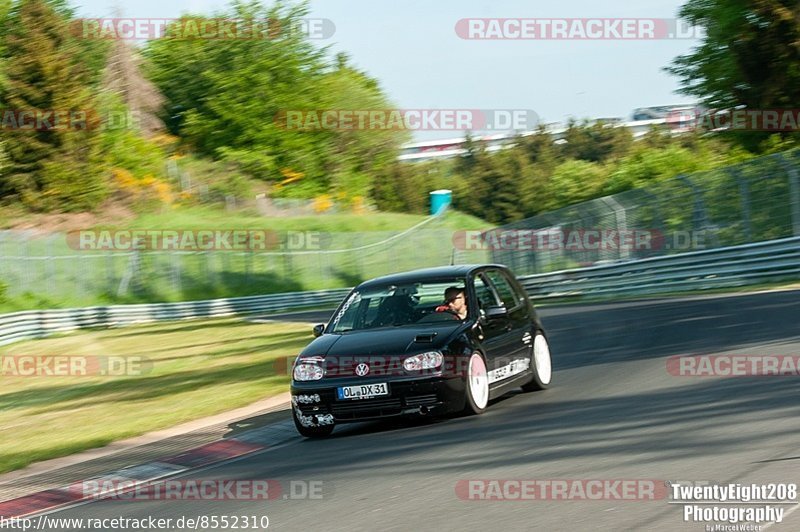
x=318, y=330
x=496, y=311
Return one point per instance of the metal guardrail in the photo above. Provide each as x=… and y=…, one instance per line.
x=776, y=260
x=40, y=323
x=763, y=262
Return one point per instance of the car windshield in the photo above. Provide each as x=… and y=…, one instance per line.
x=396, y=305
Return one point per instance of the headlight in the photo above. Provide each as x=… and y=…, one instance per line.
x=307, y=372
x=430, y=360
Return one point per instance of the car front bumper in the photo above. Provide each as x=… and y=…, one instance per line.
x=407, y=396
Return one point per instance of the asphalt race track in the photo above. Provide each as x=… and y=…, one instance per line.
x=614, y=412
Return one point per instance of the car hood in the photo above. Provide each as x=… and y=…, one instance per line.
x=384, y=341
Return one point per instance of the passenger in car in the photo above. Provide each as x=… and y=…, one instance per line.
x=394, y=310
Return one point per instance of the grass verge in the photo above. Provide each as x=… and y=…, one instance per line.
x=216, y=218
x=190, y=370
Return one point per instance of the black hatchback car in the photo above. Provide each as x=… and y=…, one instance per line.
x=426, y=342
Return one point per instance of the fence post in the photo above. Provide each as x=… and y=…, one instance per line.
x=209, y=269
x=3, y=252
x=699, y=216
x=29, y=266
x=110, y=271
x=794, y=193
x=744, y=190
x=177, y=284
x=248, y=266
x=51, y=261
x=230, y=203
x=659, y=223
x=130, y=274
x=622, y=223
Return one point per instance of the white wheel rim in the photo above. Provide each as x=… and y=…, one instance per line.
x=478, y=381
x=541, y=358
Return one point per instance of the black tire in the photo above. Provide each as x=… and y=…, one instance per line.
x=318, y=431
x=476, y=385
x=542, y=370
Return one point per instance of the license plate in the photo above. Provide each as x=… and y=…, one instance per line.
x=363, y=391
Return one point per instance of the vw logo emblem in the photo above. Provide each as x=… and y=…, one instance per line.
x=362, y=370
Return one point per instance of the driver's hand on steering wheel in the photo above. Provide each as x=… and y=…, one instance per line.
x=448, y=310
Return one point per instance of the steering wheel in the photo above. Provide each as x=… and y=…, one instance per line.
x=448, y=310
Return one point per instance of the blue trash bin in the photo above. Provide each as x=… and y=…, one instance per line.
x=440, y=200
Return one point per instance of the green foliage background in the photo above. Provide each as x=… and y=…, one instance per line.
x=224, y=99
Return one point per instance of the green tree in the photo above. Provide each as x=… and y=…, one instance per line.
x=401, y=187
x=352, y=158
x=575, y=181
x=749, y=56
x=51, y=167
x=539, y=158
x=228, y=100
x=121, y=143
x=595, y=142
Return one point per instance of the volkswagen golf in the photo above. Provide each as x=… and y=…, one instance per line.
x=428, y=342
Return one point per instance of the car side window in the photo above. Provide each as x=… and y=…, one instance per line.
x=504, y=289
x=519, y=292
x=484, y=293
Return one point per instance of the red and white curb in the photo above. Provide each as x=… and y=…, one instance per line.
x=205, y=455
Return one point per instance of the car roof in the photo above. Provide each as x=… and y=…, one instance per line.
x=427, y=274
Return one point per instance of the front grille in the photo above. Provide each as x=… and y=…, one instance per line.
x=362, y=408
